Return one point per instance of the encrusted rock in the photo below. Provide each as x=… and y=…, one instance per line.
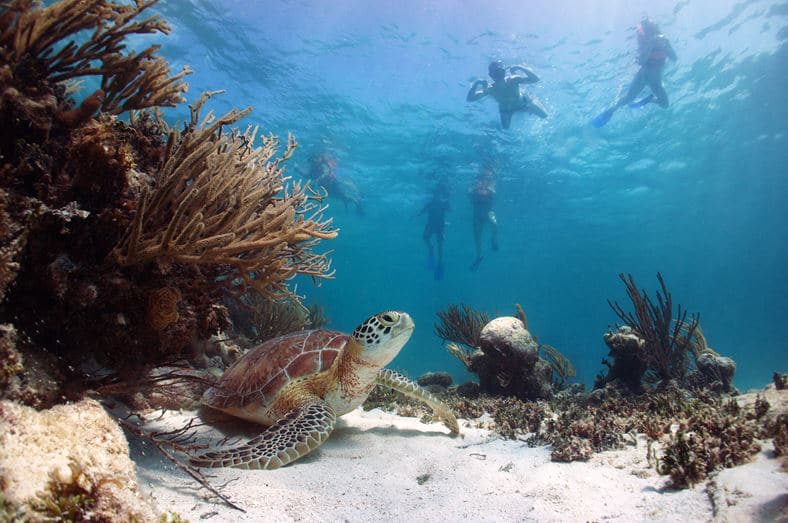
x=717, y=367
x=76, y=446
x=507, y=336
x=442, y=379
x=469, y=389
x=27, y=375
x=628, y=365
x=11, y=359
x=623, y=340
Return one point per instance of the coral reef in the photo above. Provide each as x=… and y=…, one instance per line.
x=461, y=324
x=69, y=463
x=503, y=353
x=690, y=434
x=220, y=202
x=32, y=39
x=707, y=442
x=119, y=241
x=562, y=367
x=713, y=372
x=440, y=379
x=9, y=356
x=665, y=342
x=628, y=366
x=31, y=377
x=256, y=318
x=653, y=348
x=508, y=361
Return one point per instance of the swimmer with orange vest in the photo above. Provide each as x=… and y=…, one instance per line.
x=653, y=51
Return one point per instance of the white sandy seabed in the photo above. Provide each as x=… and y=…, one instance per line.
x=380, y=467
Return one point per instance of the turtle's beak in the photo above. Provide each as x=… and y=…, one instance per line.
x=388, y=339
x=406, y=325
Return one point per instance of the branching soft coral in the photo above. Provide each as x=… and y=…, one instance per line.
x=561, y=366
x=461, y=324
x=667, y=341
x=33, y=38
x=218, y=201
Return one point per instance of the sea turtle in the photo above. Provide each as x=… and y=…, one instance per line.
x=299, y=383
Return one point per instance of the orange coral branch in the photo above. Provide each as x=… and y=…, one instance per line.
x=219, y=201
x=131, y=82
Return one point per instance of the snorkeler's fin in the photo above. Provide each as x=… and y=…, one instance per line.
x=601, y=119
x=643, y=101
x=438, y=273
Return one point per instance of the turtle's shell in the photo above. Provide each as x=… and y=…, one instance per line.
x=261, y=374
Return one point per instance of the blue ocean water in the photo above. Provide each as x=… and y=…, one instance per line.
x=697, y=191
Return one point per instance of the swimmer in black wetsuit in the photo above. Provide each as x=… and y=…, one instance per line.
x=506, y=91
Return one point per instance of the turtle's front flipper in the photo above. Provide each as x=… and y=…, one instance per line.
x=400, y=383
x=300, y=432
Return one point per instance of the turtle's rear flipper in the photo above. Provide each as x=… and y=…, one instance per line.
x=400, y=383
x=297, y=434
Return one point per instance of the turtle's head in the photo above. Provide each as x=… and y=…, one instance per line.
x=383, y=335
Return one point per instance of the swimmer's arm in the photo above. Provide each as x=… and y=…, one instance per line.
x=478, y=90
x=530, y=76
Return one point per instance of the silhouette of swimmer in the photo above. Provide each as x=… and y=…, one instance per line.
x=435, y=209
x=653, y=51
x=322, y=171
x=482, y=195
x=507, y=92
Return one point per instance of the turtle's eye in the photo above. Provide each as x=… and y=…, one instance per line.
x=389, y=318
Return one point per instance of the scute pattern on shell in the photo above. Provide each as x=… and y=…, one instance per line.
x=262, y=372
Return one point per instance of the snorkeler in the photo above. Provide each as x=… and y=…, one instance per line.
x=482, y=194
x=436, y=209
x=322, y=170
x=653, y=50
x=506, y=91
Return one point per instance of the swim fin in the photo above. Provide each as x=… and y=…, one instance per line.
x=643, y=101
x=438, y=273
x=604, y=117
x=475, y=264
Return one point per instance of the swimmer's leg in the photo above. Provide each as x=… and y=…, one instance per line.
x=494, y=230
x=506, y=119
x=478, y=223
x=643, y=101
x=654, y=79
x=637, y=85
x=427, y=237
x=439, y=267
x=535, y=107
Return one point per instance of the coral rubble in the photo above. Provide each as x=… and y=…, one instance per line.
x=689, y=435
